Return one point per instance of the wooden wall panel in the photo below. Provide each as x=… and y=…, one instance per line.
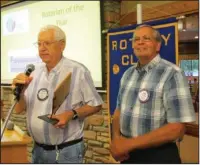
x=189, y=150
x=131, y=6
x=162, y=11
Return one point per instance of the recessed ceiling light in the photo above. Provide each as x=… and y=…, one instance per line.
x=196, y=37
x=184, y=30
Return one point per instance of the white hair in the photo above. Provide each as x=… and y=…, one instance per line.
x=59, y=34
x=156, y=33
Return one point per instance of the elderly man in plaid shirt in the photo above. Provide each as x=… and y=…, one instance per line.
x=153, y=104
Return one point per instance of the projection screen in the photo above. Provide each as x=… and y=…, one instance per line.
x=21, y=22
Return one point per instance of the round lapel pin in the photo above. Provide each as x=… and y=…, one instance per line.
x=42, y=94
x=143, y=95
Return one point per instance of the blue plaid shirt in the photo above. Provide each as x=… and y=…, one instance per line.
x=152, y=96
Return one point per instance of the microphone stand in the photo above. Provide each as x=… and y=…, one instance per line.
x=9, y=114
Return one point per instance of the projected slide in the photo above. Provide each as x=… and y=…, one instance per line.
x=18, y=59
x=21, y=23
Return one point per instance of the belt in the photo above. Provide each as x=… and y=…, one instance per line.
x=60, y=146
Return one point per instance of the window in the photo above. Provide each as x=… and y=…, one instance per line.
x=190, y=67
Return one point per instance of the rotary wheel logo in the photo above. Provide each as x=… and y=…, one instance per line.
x=115, y=69
x=10, y=25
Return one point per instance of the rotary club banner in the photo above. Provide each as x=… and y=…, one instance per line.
x=121, y=56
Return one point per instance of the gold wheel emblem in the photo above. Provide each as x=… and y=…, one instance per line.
x=115, y=69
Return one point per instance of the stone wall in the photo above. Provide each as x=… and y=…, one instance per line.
x=97, y=127
x=17, y=119
x=97, y=137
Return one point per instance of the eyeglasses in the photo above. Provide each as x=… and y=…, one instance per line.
x=46, y=44
x=143, y=39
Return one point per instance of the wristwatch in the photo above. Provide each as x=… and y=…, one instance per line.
x=75, y=116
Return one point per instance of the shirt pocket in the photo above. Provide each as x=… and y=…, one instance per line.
x=152, y=111
x=154, y=97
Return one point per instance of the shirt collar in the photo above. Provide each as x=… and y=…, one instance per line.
x=150, y=65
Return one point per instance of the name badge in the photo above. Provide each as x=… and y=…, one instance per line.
x=42, y=94
x=143, y=95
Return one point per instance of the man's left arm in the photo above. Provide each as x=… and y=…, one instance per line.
x=87, y=110
x=82, y=112
x=92, y=100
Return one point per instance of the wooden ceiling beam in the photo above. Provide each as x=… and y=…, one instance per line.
x=5, y=3
x=173, y=9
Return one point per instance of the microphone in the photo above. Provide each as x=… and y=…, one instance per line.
x=19, y=87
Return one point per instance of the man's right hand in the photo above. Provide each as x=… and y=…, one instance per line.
x=21, y=78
